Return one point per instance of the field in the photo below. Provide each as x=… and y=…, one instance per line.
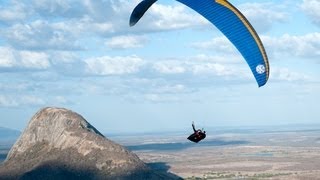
x=287, y=153
x=247, y=154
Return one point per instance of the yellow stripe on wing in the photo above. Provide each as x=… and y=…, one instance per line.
x=250, y=28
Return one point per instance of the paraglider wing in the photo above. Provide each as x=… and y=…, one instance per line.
x=139, y=11
x=232, y=23
x=238, y=30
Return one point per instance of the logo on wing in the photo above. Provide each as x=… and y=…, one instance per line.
x=261, y=69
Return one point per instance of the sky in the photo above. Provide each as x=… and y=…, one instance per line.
x=172, y=68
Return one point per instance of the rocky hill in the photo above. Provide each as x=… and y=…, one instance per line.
x=61, y=144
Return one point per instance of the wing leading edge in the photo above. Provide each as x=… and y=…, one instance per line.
x=233, y=24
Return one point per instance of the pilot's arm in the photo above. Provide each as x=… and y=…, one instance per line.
x=194, y=129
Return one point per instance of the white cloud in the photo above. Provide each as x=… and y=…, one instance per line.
x=87, y=26
x=174, y=17
x=215, y=69
x=217, y=44
x=31, y=100
x=67, y=63
x=61, y=25
x=23, y=59
x=40, y=35
x=104, y=17
x=46, y=42
x=195, y=67
x=125, y=42
x=170, y=17
x=162, y=17
x=37, y=60
x=14, y=87
x=177, y=88
x=312, y=9
x=161, y=98
x=61, y=100
x=169, y=67
x=20, y=100
x=285, y=74
x=263, y=15
x=15, y=12
x=230, y=59
x=7, y=57
x=7, y=102
x=99, y=10
x=63, y=57
x=55, y=8
x=113, y=65
x=307, y=45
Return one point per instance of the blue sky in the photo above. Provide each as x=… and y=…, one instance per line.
x=170, y=69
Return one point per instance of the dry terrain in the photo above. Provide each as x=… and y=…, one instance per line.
x=286, y=154
x=232, y=154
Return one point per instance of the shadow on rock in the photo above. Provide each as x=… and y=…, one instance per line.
x=49, y=172
x=53, y=171
x=163, y=168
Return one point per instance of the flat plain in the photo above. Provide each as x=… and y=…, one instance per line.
x=289, y=153
x=247, y=153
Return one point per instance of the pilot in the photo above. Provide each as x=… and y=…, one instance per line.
x=197, y=135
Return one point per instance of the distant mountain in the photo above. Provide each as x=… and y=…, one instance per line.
x=7, y=134
x=61, y=144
